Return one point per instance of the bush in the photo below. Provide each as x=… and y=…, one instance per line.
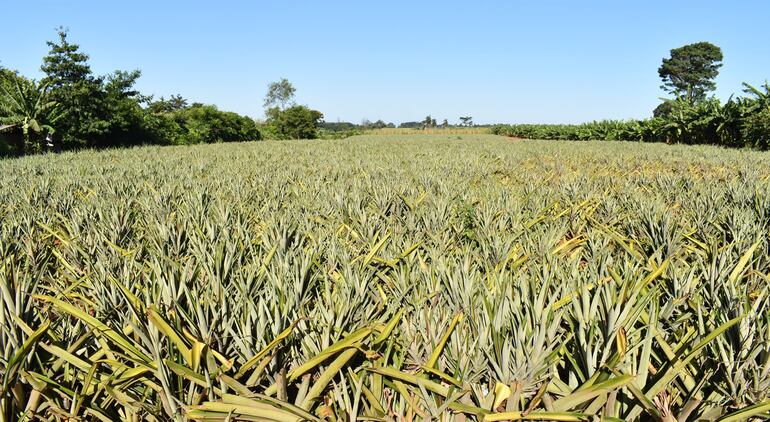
x=756, y=128
x=297, y=122
x=204, y=124
x=606, y=130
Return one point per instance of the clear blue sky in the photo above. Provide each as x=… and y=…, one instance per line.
x=499, y=61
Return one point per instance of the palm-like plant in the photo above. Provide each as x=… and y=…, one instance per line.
x=27, y=105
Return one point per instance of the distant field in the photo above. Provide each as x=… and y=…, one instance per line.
x=431, y=131
x=405, y=276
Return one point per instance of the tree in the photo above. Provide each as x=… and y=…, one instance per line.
x=286, y=119
x=77, y=91
x=755, y=124
x=65, y=64
x=162, y=105
x=445, y=123
x=95, y=111
x=280, y=94
x=297, y=122
x=121, y=112
x=27, y=105
x=173, y=122
x=338, y=126
x=466, y=121
x=690, y=70
x=7, y=77
x=207, y=124
x=410, y=125
x=379, y=124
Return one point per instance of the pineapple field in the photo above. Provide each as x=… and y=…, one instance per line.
x=386, y=278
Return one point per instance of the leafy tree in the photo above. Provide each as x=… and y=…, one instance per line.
x=428, y=121
x=122, y=112
x=338, y=126
x=466, y=121
x=285, y=119
x=96, y=111
x=173, y=122
x=379, y=124
x=65, y=64
x=89, y=111
x=755, y=112
x=367, y=124
x=7, y=76
x=280, y=94
x=756, y=129
x=297, y=122
x=664, y=109
x=690, y=70
x=28, y=106
x=174, y=103
x=445, y=123
x=207, y=124
x=78, y=92
x=410, y=125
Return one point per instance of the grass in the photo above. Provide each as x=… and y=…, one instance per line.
x=387, y=277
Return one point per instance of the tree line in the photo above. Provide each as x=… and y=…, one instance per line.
x=72, y=108
x=690, y=116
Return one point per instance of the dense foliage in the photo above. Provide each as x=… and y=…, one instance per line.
x=386, y=279
x=280, y=95
x=740, y=122
x=28, y=111
x=203, y=124
x=690, y=71
x=286, y=119
x=606, y=130
x=78, y=109
x=295, y=122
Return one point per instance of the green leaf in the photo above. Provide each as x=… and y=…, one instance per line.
x=675, y=367
x=412, y=379
x=352, y=340
x=440, y=346
x=326, y=376
x=262, y=353
x=18, y=357
x=747, y=412
x=117, y=338
x=571, y=401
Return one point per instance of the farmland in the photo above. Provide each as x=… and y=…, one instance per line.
x=391, y=277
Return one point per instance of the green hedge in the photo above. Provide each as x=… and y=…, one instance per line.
x=741, y=122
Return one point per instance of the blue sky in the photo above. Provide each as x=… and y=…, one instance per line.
x=498, y=61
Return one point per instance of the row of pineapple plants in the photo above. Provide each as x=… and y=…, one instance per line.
x=386, y=280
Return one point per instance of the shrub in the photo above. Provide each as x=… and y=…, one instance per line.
x=756, y=128
x=205, y=124
x=297, y=122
